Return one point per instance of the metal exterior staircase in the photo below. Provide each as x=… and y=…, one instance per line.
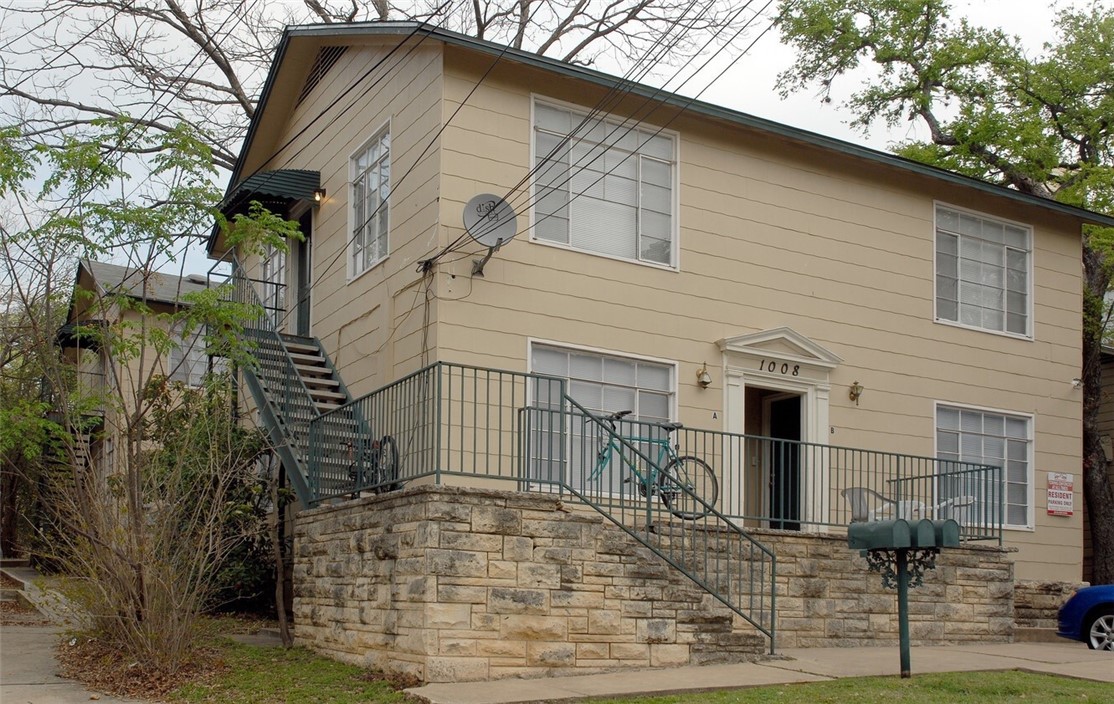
x=292, y=382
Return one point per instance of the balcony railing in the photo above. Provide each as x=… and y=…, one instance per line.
x=499, y=426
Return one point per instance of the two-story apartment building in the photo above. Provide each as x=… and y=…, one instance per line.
x=788, y=292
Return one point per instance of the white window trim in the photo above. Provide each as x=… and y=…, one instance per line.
x=1030, y=480
x=675, y=251
x=196, y=342
x=350, y=238
x=1030, y=322
x=673, y=364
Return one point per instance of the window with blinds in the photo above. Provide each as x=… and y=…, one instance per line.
x=603, y=384
x=982, y=272
x=604, y=186
x=982, y=437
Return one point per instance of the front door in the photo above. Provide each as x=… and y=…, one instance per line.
x=304, y=263
x=782, y=416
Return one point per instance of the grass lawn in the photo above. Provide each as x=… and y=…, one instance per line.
x=273, y=675
x=276, y=676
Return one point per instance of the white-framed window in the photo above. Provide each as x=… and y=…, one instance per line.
x=188, y=359
x=370, y=176
x=608, y=188
x=603, y=383
x=273, y=273
x=987, y=437
x=983, y=269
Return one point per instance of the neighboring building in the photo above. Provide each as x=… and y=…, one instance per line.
x=101, y=385
x=788, y=292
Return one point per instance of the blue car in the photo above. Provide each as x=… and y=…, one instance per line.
x=1089, y=616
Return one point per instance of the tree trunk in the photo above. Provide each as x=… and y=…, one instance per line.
x=275, y=519
x=1098, y=493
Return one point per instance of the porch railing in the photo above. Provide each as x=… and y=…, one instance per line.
x=497, y=427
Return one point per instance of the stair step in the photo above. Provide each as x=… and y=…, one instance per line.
x=332, y=396
x=320, y=381
x=301, y=347
x=316, y=372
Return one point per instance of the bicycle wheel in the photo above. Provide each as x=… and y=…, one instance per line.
x=693, y=474
x=386, y=466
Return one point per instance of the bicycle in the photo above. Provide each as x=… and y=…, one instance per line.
x=685, y=485
x=379, y=468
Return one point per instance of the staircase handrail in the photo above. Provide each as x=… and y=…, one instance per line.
x=711, y=511
x=268, y=326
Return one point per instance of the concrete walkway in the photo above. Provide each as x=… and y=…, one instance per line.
x=800, y=665
x=29, y=673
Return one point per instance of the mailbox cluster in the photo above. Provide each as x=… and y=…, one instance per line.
x=902, y=552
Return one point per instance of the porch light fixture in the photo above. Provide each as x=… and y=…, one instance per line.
x=855, y=392
x=703, y=377
x=318, y=195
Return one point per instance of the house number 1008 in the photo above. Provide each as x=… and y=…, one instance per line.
x=769, y=365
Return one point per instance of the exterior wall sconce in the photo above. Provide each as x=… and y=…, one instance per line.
x=703, y=377
x=319, y=195
x=855, y=392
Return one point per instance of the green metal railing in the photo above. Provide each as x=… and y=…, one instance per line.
x=495, y=427
x=275, y=384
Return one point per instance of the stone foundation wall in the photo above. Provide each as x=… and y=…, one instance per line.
x=1037, y=603
x=451, y=584
x=827, y=597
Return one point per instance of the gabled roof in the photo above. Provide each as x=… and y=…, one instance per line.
x=403, y=31
x=158, y=288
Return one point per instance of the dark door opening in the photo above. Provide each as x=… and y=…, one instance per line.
x=783, y=414
x=303, y=255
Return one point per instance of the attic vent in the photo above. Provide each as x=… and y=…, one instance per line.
x=326, y=58
x=197, y=278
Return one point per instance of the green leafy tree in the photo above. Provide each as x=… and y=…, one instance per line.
x=148, y=530
x=1043, y=125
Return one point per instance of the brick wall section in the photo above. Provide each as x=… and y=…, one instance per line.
x=827, y=597
x=1037, y=603
x=452, y=584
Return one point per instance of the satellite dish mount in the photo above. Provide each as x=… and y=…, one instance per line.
x=491, y=222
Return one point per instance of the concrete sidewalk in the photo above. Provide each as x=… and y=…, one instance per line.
x=800, y=665
x=29, y=672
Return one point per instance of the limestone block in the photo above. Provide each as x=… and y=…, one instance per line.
x=518, y=601
x=551, y=528
x=531, y=628
x=605, y=621
x=448, y=511
x=593, y=651
x=637, y=652
x=668, y=655
x=503, y=569
x=454, y=593
x=449, y=615
x=537, y=575
x=656, y=630
x=476, y=542
x=578, y=599
x=577, y=624
x=551, y=654
x=500, y=648
x=572, y=574
x=517, y=548
x=459, y=563
x=638, y=609
x=456, y=669
x=497, y=521
x=457, y=646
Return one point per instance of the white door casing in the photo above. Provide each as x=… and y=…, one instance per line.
x=782, y=359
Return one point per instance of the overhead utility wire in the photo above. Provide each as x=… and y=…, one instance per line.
x=656, y=105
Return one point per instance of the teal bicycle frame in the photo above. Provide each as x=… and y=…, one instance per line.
x=666, y=454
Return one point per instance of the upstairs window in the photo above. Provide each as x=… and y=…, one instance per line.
x=606, y=189
x=982, y=272
x=370, y=176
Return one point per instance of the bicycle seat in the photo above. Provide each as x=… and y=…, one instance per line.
x=671, y=426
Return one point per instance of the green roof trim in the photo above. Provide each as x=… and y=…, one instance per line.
x=424, y=31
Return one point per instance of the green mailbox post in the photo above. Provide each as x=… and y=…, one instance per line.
x=902, y=551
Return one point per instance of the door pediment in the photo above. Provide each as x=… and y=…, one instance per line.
x=784, y=343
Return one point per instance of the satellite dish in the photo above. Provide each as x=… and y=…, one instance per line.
x=490, y=220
